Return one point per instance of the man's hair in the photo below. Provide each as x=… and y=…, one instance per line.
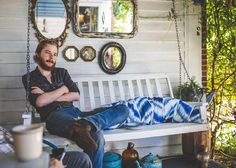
x=42, y=45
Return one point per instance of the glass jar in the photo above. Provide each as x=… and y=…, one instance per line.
x=130, y=157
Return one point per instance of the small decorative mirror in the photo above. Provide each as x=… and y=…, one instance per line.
x=105, y=18
x=71, y=53
x=112, y=58
x=88, y=53
x=50, y=19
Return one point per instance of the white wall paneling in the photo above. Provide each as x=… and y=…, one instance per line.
x=154, y=47
x=152, y=50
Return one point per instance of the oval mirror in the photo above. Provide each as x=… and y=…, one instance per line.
x=71, y=53
x=50, y=19
x=112, y=58
x=105, y=18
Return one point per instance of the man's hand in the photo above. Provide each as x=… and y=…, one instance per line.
x=36, y=90
x=54, y=163
x=69, y=97
x=66, y=90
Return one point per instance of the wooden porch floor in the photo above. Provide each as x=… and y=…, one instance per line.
x=182, y=162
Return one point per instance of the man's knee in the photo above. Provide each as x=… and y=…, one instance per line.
x=99, y=138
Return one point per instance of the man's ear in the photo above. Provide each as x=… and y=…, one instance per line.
x=36, y=57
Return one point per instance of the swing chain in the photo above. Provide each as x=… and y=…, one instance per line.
x=178, y=43
x=181, y=62
x=28, y=59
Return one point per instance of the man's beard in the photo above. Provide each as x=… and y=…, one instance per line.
x=44, y=66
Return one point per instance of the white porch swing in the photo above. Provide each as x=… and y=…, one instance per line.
x=95, y=92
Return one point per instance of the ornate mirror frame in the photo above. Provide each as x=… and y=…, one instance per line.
x=87, y=53
x=69, y=59
x=79, y=33
x=102, y=61
x=61, y=38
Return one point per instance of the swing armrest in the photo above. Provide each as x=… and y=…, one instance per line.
x=203, y=109
x=27, y=118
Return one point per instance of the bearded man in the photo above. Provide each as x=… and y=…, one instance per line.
x=52, y=94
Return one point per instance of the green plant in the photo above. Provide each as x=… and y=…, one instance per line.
x=122, y=12
x=221, y=60
x=189, y=91
x=226, y=139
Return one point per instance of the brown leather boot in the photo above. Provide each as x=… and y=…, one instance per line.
x=81, y=135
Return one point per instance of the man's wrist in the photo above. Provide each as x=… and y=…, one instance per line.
x=65, y=89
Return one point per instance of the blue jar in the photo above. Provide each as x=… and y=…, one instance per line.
x=151, y=161
x=111, y=160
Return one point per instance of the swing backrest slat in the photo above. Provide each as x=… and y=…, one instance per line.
x=105, y=90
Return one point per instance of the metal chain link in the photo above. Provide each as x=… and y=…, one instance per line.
x=181, y=62
x=28, y=59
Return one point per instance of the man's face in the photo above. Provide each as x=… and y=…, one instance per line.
x=47, y=57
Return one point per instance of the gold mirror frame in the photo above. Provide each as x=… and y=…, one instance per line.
x=87, y=53
x=79, y=33
x=61, y=38
x=69, y=59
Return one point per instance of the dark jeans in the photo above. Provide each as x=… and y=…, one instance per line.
x=77, y=159
x=102, y=118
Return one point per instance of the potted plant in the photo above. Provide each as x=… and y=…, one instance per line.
x=190, y=91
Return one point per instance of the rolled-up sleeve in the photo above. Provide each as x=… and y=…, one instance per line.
x=32, y=97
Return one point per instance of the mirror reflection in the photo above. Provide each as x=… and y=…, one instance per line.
x=88, y=53
x=112, y=58
x=105, y=17
x=50, y=19
x=71, y=53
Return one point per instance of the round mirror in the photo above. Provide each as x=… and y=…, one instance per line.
x=112, y=58
x=50, y=19
x=71, y=53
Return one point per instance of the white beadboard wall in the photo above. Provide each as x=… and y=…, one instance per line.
x=152, y=50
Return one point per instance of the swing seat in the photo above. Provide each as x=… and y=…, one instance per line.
x=96, y=91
